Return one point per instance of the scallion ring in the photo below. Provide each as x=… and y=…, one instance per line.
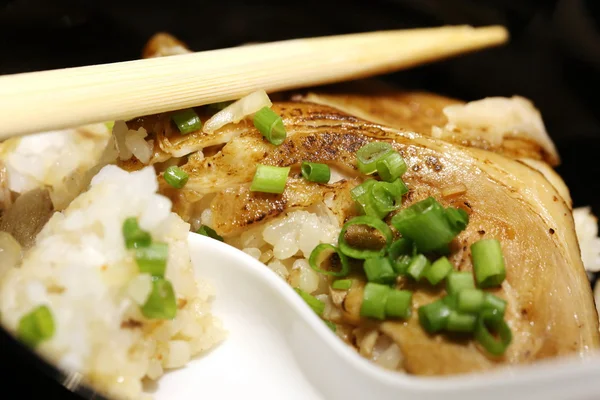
x=176, y=177
x=489, y=325
x=270, y=125
x=391, y=166
x=363, y=254
x=269, y=179
x=369, y=154
x=187, y=121
x=322, y=252
x=315, y=172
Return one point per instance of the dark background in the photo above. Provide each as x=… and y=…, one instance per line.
x=553, y=58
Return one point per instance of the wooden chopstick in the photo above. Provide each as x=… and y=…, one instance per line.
x=41, y=101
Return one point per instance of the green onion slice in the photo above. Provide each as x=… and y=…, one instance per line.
x=363, y=254
x=458, y=281
x=161, y=302
x=323, y=252
x=492, y=332
x=451, y=300
x=401, y=264
x=374, y=300
x=187, y=121
x=391, y=166
x=458, y=219
x=470, y=300
x=269, y=179
x=492, y=303
x=36, y=326
x=134, y=235
x=434, y=316
x=362, y=195
x=317, y=305
x=152, y=259
x=417, y=266
x=426, y=224
x=379, y=270
x=438, y=270
x=398, y=304
x=488, y=263
x=400, y=247
x=315, y=172
x=176, y=177
x=210, y=232
x=369, y=154
x=342, y=284
x=331, y=325
x=459, y=322
x=270, y=125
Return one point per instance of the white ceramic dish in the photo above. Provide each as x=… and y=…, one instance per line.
x=278, y=348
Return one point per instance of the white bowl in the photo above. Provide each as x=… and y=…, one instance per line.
x=278, y=348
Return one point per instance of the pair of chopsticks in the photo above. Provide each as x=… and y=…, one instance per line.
x=41, y=101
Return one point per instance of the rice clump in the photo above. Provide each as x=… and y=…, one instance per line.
x=81, y=270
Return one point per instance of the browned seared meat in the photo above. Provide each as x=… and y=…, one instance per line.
x=507, y=126
x=551, y=310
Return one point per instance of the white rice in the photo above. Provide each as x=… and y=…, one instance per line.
x=285, y=243
x=80, y=268
x=57, y=160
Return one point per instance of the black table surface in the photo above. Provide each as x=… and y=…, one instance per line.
x=553, y=58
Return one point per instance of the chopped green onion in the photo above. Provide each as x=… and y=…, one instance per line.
x=492, y=303
x=399, y=254
x=391, y=167
x=210, y=232
x=152, y=259
x=342, y=284
x=322, y=252
x=385, y=197
x=400, y=247
x=36, y=326
x=187, y=121
x=315, y=172
x=458, y=219
x=401, y=264
x=438, y=270
x=363, y=254
x=397, y=188
x=269, y=179
x=470, y=300
x=374, y=300
x=488, y=263
x=176, y=177
x=317, y=305
x=451, y=300
x=379, y=270
x=331, y=325
x=270, y=125
x=458, y=322
x=417, y=266
x=426, y=224
x=361, y=195
x=458, y=281
x=398, y=304
x=134, y=235
x=489, y=325
x=433, y=316
x=369, y=154
x=161, y=303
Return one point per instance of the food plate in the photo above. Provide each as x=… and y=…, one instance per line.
x=278, y=348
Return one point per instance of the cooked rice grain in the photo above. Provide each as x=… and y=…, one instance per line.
x=80, y=268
